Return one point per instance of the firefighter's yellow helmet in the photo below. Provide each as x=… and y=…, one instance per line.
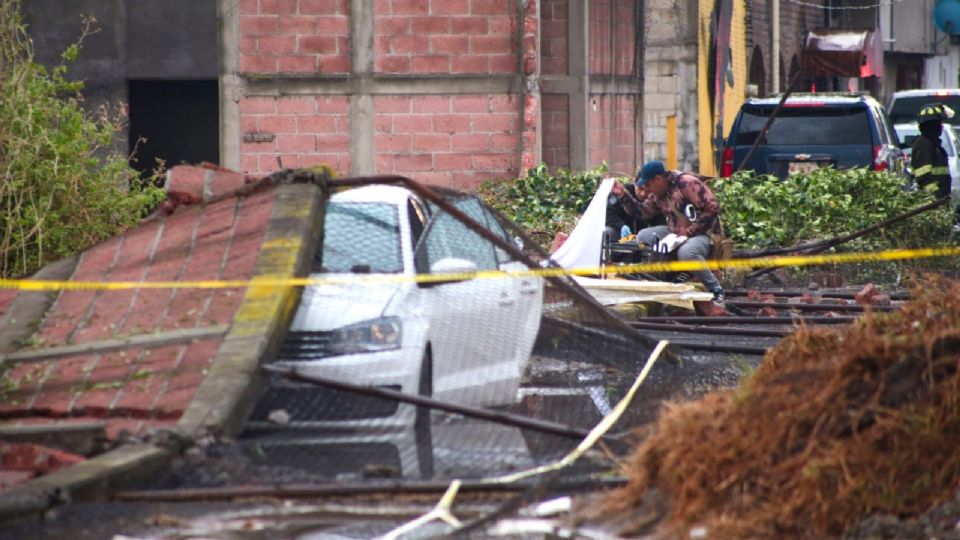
x=934, y=111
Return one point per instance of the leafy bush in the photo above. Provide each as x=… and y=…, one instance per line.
x=762, y=211
x=61, y=188
x=544, y=203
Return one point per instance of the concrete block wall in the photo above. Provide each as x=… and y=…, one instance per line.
x=670, y=82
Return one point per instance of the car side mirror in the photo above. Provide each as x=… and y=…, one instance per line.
x=452, y=270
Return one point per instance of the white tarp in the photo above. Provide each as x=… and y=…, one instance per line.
x=582, y=247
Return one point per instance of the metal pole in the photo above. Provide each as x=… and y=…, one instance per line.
x=775, y=23
x=751, y=320
x=473, y=412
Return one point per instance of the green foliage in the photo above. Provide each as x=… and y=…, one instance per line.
x=762, y=211
x=542, y=202
x=61, y=187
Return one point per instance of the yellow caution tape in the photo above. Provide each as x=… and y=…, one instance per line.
x=674, y=266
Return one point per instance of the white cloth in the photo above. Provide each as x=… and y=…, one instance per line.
x=582, y=247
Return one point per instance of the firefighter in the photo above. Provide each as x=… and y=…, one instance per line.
x=928, y=159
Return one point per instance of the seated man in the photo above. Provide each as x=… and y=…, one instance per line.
x=691, y=211
x=618, y=218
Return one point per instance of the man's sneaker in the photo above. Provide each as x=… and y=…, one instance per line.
x=718, y=297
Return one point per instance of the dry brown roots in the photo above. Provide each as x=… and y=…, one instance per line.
x=834, y=425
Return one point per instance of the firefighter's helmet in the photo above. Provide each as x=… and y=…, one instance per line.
x=934, y=111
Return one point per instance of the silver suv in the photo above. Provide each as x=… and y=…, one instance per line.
x=905, y=104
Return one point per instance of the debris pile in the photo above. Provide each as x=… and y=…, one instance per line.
x=833, y=426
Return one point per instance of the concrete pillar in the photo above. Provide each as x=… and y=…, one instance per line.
x=362, y=151
x=231, y=86
x=578, y=47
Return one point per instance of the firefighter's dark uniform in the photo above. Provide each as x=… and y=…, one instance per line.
x=928, y=160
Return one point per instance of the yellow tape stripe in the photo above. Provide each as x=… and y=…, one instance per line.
x=674, y=266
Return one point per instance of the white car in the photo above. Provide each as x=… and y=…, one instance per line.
x=464, y=340
x=949, y=139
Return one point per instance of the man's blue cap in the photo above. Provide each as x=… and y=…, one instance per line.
x=649, y=170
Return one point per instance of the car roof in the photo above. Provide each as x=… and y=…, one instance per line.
x=824, y=97
x=927, y=92
x=379, y=193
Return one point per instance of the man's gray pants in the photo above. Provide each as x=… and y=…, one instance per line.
x=696, y=248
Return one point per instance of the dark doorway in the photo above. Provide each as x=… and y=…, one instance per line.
x=179, y=121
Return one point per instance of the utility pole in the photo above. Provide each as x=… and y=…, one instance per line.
x=775, y=22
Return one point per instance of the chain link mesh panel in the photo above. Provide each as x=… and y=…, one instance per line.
x=432, y=294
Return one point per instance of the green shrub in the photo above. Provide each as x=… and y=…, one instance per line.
x=758, y=211
x=761, y=211
x=61, y=188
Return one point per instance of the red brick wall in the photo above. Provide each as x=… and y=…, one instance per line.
x=449, y=36
x=613, y=138
x=455, y=141
x=625, y=44
x=306, y=131
x=553, y=38
x=294, y=36
x=599, y=60
x=612, y=37
x=556, y=140
x=626, y=148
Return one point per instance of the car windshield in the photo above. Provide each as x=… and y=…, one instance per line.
x=905, y=109
x=806, y=126
x=361, y=237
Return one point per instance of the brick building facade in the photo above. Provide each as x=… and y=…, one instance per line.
x=451, y=93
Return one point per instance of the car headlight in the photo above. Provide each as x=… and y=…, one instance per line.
x=381, y=334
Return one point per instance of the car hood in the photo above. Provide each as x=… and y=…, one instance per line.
x=327, y=307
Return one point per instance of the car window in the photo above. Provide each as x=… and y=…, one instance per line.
x=949, y=141
x=498, y=229
x=905, y=109
x=447, y=236
x=361, y=237
x=886, y=129
x=806, y=126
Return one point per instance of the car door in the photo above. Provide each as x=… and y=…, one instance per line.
x=471, y=320
x=529, y=292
